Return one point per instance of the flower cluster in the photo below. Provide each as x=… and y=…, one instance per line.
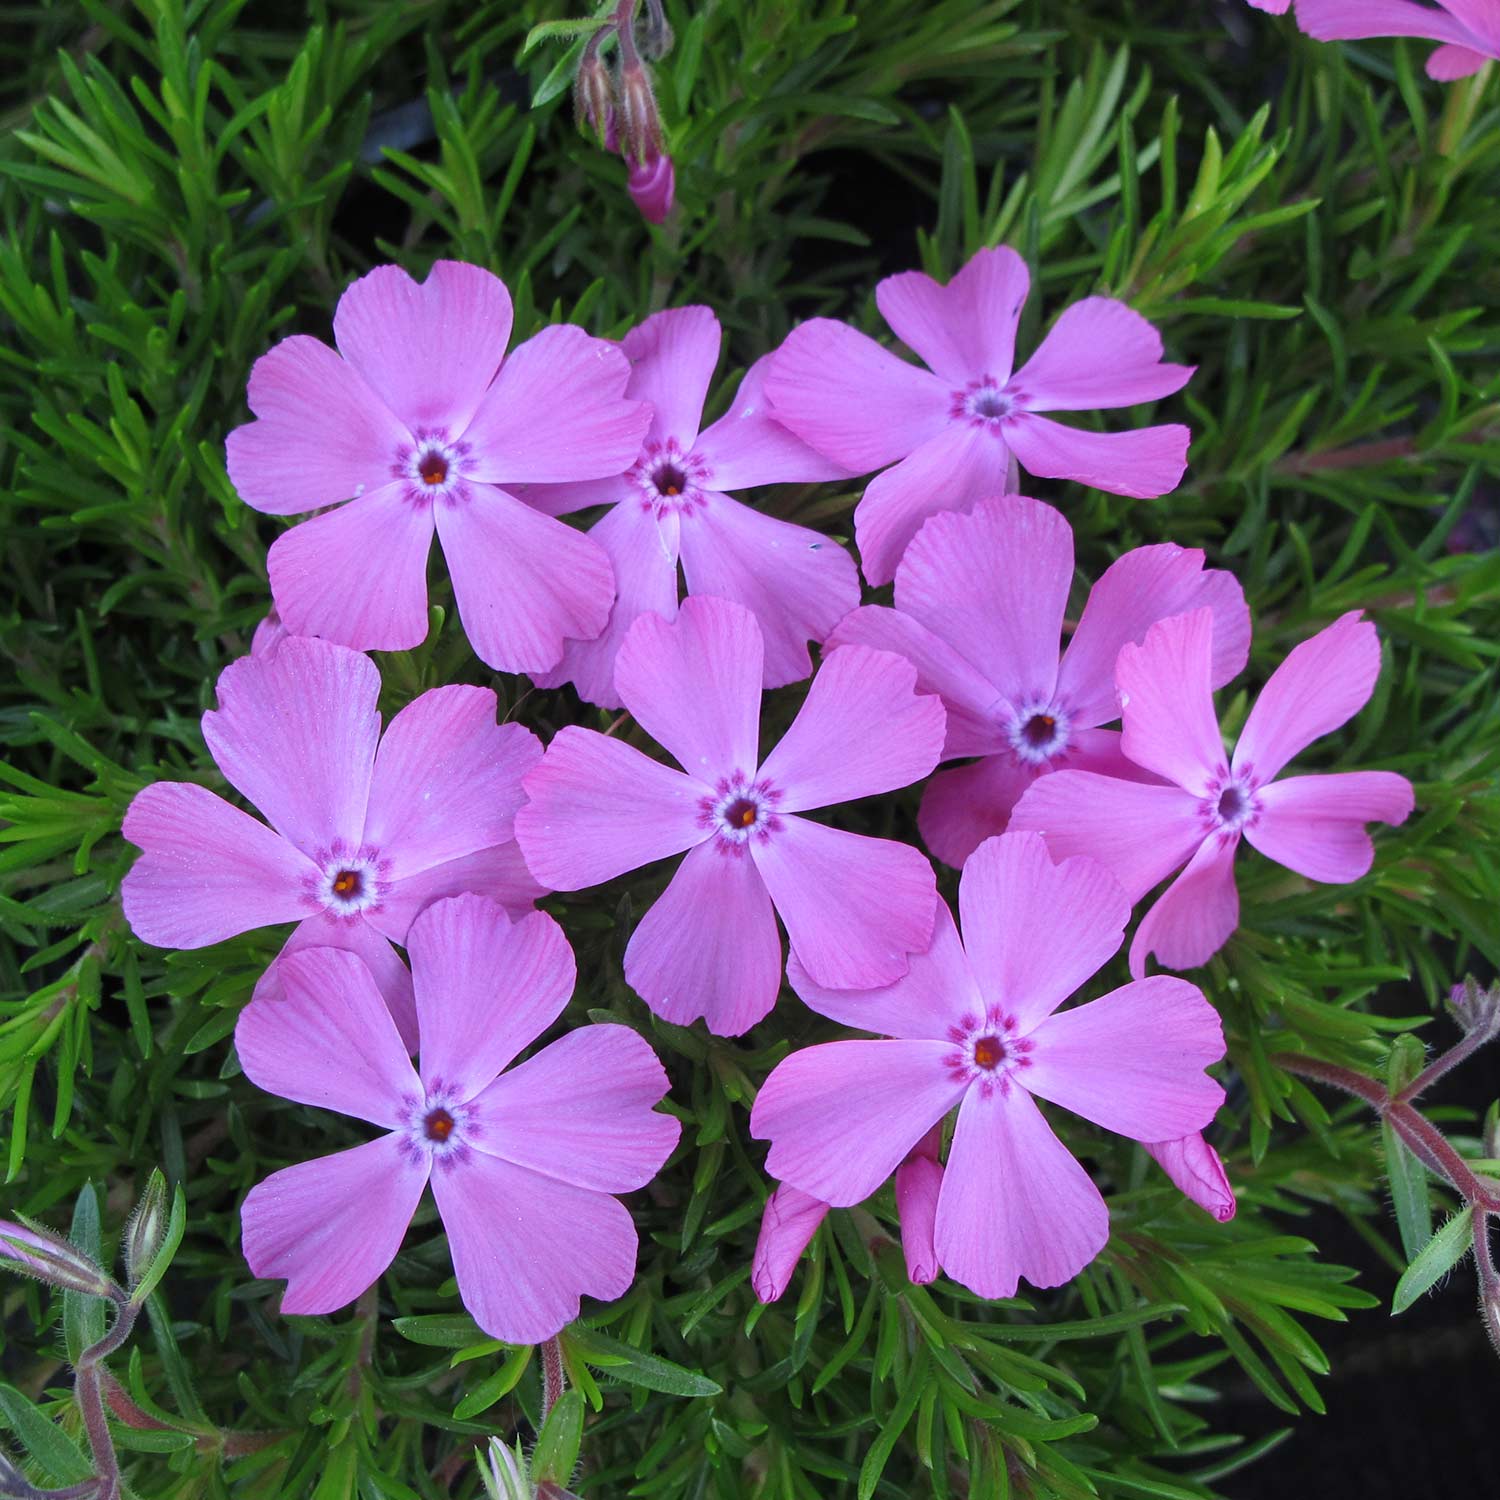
x=438, y=835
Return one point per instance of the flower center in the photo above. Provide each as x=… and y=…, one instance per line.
x=438, y=1125
x=350, y=884
x=1230, y=805
x=432, y=466
x=982, y=402
x=739, y=810
x=669, y=480
x=989, y=1053
x=1039, y=733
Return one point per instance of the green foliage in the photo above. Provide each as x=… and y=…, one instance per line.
x=185, y=181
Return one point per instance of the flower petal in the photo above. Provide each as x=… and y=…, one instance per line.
x=994, y=584
x=708, y=946
x=957, y=465
x=966, y=329
x=1132, y=1061
x=1140, y=832
x=447, y=779
x=360, y=937
x=851, y=400
x=329, y=1040
x=357, y=575
x=748, y=445
x=855, y=908
x=1324, y=681
x=672, y=359
x=331, y=1226
x=1195, y=916
x=430, y=348
x=499, y=872
x=840, y=1117
x=1167, y=699
x=693, y=684
x=1014, y=1200
x=1144, y=463
x=581, y=1111
x=787, y=1225
x=486, y=987
x=1034, y=931
x=922, y=1005
x=1354, y=20
x=599, y=807
x=919, y=1185
x=1445, y=64
x=1148, y=584
x=564, y=499
x=965, y=805
x=863, y=729
x=295, y=734
x=1100, y=353
x=524, y=582
x=526, y=1248
x=323, y=434
x=207, y=871
x=797, y=582
x=970, y=700
x=1195, y=1169
x=557, y=411
x=1315, y=825
x=645, y=583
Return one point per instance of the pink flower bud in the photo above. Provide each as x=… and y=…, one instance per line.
x=639, y=120
x=1195, y=1168
x=37, y=1252
x=919, y=1179
x=790, y=1220
x=652, y=187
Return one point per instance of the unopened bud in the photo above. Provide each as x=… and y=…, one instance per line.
x=656, y=36
x=38, y=1252
x=639, y=119
x=593, y=95
x=1475, y=1009
x=502, y=1471
x=147, y=1228
x=652, y=188
x=919, y=1180
x=1195, y=1169
x=787, y=1225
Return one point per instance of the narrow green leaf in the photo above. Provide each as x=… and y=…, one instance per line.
x=43, y=1439
x=632, y=1365
x=556, y=1453
x=1439, y=1256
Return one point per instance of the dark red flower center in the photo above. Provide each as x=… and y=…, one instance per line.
x=349, y=884
x=989, y=1052
x=433, y=467
x=1039, y=730
x=669, y=480
x=742, y=814
x=991, y=404
x=438, y=1125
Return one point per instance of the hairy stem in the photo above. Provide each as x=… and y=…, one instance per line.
x=88, y=1391
x=553, y=1383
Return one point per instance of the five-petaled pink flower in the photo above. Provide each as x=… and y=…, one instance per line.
x=365, y=829
x=1314, y=825
x=976, y=1025
x=671, y=506
x=425, y=421
x=1469, y=30
x=980, y=600
x=952, y=429
x=791, y=1218
x=855, y=907
x=523, y=1164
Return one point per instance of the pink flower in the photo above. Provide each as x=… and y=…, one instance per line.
x=854, y=907
x=425, y=422
x=362, y=834
x=671, y=506
x=1195, y=1169
x=1311, y=824
x=980, y=600
x=1272, y=7
x=1469, y=30
x=953, y=430
x=651, y=186
x=791, y=1218
x=975, y=1026
x=523, y=1164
